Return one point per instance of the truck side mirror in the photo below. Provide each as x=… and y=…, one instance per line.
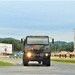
x=52, y=41
x=24, y=41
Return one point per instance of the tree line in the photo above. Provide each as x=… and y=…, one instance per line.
x=62, y=46
x=56, y=47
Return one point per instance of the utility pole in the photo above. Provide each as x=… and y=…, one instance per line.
x=74, y=39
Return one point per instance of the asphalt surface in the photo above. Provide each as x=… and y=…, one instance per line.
x=35, y=69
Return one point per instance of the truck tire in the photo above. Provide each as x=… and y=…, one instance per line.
x=25, y=62
x=46, y=62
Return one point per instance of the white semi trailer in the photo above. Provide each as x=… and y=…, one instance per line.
x=6, y=48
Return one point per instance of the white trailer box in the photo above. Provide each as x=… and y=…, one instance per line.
x=5, y=48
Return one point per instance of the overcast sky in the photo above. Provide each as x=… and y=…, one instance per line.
x=28, y=17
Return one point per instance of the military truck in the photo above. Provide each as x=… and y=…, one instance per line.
x=36, y=48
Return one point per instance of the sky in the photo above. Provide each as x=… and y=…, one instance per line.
x=55, y=18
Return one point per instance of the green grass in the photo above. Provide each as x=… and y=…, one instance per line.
x=3, y=63
x=63, y=60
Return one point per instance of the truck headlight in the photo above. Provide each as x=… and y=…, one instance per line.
x=46, y=54
x=29, y=54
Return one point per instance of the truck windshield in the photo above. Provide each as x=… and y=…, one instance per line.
x=38, y=40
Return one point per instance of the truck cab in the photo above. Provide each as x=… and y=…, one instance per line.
x=36, y=48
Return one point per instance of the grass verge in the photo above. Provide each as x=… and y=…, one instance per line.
x=63, y=60
x=3, y=63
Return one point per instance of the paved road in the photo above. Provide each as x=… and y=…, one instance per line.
x=36, y=69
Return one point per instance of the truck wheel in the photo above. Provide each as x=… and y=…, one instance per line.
x=47, y=62
x=25, y=62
